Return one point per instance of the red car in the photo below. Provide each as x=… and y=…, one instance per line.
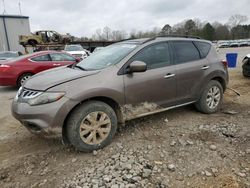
x=16, y=71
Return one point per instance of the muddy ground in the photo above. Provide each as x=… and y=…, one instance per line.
x=177, y=148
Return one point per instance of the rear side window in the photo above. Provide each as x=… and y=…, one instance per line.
x=154, y=56
x=185, y=51
x=61, y=57
x=204, y=48
x=41, y=58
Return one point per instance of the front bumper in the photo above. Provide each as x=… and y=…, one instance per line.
x=43, y=118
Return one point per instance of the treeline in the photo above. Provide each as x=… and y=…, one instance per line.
x=233, y=29
x=211, y=31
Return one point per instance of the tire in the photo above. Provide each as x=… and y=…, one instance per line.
x=245, y=74
x=204, y=104
x=246, y=67
x=32, y=42
x=86, y=120
x=23, y=78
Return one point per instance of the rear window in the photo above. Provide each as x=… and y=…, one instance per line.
x=204, y=48
x=185, y=51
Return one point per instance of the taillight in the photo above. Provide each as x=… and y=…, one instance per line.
x=225, y=64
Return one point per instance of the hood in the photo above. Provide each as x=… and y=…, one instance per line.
x=47, y=79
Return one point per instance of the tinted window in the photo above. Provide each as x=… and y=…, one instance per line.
x=41, y=58
x=61, y=57
x=154, y=56
x=204, y=48
x=185, y=51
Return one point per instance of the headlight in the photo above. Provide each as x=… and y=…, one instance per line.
x=44, y=98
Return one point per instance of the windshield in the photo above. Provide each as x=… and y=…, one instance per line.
x=6, y=55
x=108, y=56
x=73, y=48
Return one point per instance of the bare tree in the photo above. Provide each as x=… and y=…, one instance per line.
x=236, y=20
x=107, y=33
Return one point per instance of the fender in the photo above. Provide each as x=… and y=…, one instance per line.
x=215, y=74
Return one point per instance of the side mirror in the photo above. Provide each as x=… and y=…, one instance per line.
x=78, y=59
x=137, y=66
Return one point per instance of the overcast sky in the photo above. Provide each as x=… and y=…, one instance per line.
x=83, y=17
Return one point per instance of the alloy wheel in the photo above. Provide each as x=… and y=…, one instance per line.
x=95, y=128
x=213, y=97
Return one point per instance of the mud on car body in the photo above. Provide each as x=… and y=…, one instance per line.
x=123, y=81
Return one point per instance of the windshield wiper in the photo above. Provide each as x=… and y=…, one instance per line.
x=79, y=67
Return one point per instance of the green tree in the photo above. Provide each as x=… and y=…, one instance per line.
x=190, y=27
x=208, y=32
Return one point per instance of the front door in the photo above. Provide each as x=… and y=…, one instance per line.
x=154, y=89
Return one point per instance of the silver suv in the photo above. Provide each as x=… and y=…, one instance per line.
x=126, y=80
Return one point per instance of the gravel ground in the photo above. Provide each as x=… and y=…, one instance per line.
x=177, y=148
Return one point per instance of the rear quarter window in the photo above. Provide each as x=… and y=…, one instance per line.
x=185, y=51
x=204, y=48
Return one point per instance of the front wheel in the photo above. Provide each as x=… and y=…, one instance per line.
x=91, y=126
x=211, y=98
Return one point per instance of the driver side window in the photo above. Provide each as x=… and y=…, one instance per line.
x=155, y=56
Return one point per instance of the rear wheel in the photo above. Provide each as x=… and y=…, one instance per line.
x=211, y=98
x=91, y=126
x=23, y=78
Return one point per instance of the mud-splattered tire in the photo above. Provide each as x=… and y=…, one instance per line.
x=91, y=126
x=211, y=98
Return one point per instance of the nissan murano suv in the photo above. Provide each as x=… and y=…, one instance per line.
x=123, y=81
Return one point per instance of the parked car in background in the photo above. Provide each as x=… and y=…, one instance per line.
x=16, y=72
x=223, y=45
x=6, y=55
x=243, y=44
x=234, y=45
x=123, y=81
x=44, y=37
x=246, y=66
x=77, y=51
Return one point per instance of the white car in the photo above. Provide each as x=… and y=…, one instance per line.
x=77, y=51
x=6, y=55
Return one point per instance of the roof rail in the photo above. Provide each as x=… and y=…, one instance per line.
x=183, y=36
x=162, y=35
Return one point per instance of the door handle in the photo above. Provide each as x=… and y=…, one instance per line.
x=169, y=75
x=56, y=64
x=205, y=67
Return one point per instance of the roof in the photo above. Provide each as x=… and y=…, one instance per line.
x=13, y=16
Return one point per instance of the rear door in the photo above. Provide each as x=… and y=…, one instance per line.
x=156, y=86
x=60, y=59
x=190, y=69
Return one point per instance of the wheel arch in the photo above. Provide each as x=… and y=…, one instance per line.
x=221, y=81
x=21, y=74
